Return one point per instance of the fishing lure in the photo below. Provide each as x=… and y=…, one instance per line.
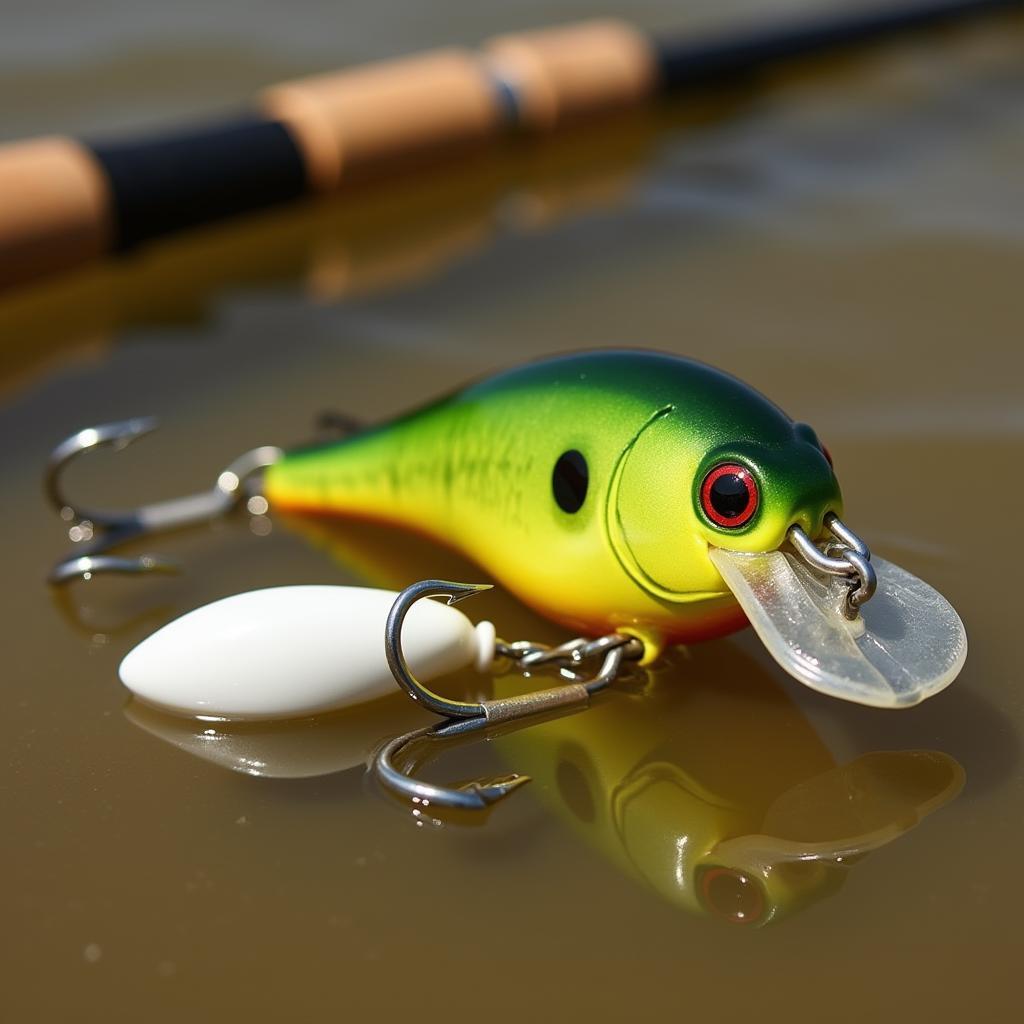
x=634, y=497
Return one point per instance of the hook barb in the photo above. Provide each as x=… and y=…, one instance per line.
x=98, y=531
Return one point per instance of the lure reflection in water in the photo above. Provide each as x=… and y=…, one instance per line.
x=712, y=789
x=300, y=749
x=703, y=780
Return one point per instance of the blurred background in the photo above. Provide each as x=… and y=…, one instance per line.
x=846, y=236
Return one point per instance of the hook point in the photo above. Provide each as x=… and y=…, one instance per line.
x=460, y=591
x=491, y=791
x=138, y=427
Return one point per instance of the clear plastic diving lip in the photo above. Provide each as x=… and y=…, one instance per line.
x=906, y=645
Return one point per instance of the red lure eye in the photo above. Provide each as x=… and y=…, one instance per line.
x=728, y=495
x=733, y=895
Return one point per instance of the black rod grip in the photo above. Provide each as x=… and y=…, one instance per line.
x=159, y=186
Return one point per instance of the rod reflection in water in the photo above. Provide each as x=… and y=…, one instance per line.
x=705, y=781
x=376, y=239
x=410, y=225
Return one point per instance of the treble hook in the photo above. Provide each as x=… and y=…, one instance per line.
x=463, y=717
x=99, y=531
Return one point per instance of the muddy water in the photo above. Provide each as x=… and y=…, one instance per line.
x=850, y=241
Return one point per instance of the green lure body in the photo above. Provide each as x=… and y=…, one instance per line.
x=588, y=486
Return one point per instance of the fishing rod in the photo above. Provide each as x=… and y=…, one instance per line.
x=66, y=202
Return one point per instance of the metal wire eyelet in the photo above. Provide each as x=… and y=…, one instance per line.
x=847, y=555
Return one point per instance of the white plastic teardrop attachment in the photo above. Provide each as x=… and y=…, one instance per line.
x=906, y=644
x=287, y=652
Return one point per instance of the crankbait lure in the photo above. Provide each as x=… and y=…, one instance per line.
x=637, y=497
x=645, y=494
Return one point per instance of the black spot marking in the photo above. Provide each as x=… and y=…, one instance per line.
x=569, y=481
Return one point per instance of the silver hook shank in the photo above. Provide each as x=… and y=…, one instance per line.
x=119, y=527
x=454, y=592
